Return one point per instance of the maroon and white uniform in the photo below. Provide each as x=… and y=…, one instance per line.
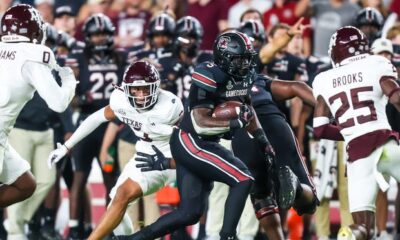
x=354, y=96
x=24, y=69
x=153, y=127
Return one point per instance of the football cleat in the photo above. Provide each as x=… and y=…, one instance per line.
x=288, y=185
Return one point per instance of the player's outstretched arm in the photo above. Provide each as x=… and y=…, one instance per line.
x=56, y=97
x=267, y=53
x=322, y=127
x=392, y=90
x=283, y=90
x=87, y=126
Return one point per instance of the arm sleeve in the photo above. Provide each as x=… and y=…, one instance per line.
x=41, y=78
x=86, y=127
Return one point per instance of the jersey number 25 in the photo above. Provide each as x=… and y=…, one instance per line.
x=357, y=104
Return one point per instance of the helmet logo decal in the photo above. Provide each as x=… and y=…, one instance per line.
x=223, y=43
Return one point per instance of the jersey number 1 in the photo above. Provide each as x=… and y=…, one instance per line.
x=357, y=104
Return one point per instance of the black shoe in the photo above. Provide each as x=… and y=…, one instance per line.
x=50, y=234
x=74, y=234
x=87, y=231
x=288, y=185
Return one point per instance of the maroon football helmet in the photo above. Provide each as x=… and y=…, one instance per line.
x=22, y=23
x=345, y=43
x=141, y=83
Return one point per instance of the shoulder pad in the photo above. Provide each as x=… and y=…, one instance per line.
x=41, y=54
x=116, y=98
x=204, y=76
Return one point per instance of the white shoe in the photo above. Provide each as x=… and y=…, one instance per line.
x=345, y=233
x=16, y=237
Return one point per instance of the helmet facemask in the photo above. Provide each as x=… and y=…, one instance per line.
x=239, y=66
x=188, y=45
x=141, y=94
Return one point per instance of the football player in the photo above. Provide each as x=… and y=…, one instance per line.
x=160, y=35
x=178, y=68
x=355, y=93
x=292, y=188
x=200, y=158
x=254, y=29
x=25, y=67
x=99, y=66
x=370, y=22
x=151, y=113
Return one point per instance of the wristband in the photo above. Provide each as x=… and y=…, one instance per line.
x=260, y=136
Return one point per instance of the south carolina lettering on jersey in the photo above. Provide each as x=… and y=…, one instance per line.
x=347, y=79
x=7, y=55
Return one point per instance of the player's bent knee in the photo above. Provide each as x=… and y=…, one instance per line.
x=264, y=205
x=308, y=208
x=127, y=192
x=26, y=185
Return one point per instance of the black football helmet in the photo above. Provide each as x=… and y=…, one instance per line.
x=233, y=52
x=141, y=75
x=188, y=35
x=345, y=43
x=163, y=24
x=97, y=24
x=370, y=22
x=255, y=31
x=22, y=23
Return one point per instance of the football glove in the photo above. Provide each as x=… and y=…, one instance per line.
x=244, y=118
x=56, y=155
x=152, y=162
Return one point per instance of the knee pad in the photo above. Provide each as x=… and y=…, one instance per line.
x=307, y=209
x=264, y=205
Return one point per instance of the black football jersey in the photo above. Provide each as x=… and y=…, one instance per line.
x=261, y=97
x=287, y=67
x=314, y=66
x=97, y=77
x=178, y=75
x=211, y=87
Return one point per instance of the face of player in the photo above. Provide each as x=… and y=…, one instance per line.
x=99, y=38
x=243, y=64
x=371, y=32
x=188, y=46
x=65, y=23
x=140, y=93
x=160, y=41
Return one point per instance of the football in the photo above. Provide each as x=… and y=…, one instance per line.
x=227, y=110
